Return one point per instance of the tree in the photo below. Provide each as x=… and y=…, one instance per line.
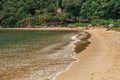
x=35, y=12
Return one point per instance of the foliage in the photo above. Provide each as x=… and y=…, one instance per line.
x=81, y=24
x=22, y=13
x=100, y=22
x=118, y=23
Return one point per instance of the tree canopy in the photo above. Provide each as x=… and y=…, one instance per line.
x=15, y=13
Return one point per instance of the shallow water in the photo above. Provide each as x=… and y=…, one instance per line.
x=33, y=55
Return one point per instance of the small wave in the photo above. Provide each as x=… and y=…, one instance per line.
x=68, y=49
x=80, y=38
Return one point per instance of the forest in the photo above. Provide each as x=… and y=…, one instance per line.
x=22, y=13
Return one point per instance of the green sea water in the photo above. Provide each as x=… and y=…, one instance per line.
x=23, y=48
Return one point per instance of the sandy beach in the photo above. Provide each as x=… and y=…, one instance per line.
x=44, y=29
x=99, y=61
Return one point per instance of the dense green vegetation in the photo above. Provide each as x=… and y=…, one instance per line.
x=21, y=13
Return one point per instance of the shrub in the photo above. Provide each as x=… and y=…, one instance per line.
x=118, y=23
x=100, y=22
x=81, y=24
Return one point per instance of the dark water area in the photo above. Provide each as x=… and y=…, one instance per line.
x=30, y=55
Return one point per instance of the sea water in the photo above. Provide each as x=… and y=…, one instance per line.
x=34, y=55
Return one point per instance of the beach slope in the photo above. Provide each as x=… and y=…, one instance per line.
x=100, y=60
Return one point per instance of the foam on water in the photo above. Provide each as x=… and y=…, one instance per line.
x=69, y=48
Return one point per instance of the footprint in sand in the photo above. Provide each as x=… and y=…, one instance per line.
x=92, y=76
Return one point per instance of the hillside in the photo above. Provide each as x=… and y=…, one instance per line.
x=21, y=13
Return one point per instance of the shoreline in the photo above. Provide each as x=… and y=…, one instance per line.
x=72, y=43
x=80, y=43
x=99, y=61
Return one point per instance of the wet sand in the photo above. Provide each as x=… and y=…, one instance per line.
x=99, y=61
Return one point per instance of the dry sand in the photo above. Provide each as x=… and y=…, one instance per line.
x=44, y=29
x=100, y=60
